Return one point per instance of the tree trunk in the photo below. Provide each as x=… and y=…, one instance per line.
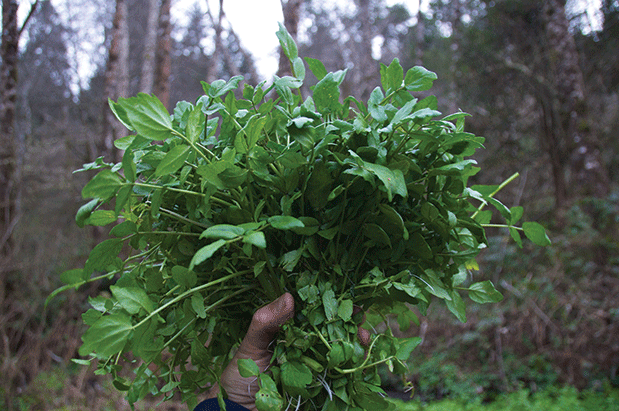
x=150, y=48
x=163, y=62
x=589, y=175
x=363, y=75
x=213, y=72
x=291, y=10
x=116, y=81
x=420, y=28
x=8, y=89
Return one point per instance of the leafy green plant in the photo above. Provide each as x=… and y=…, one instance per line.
x=231, y=201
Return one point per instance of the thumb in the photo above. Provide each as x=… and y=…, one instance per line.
x=267, y=321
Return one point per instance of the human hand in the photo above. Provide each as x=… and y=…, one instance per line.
x=262, y=330
x=264, y=325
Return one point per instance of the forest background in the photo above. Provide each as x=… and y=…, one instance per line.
x=540, y=78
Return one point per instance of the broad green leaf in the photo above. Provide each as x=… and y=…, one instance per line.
x=103, y=186
x=103, y=255
x=317, y=67
x=225, y=231
x=344, y=310
x=148, y=116
x=298, y=68
x=393, y=180
x=327, y=94
x=205, y=253
x=256, y=238
x=516, y=213
x=456, y=306
x=129, y=166
x=419, y=79
x=375, y=107
x=391, y=76
x=376, y=233
x=132, y=299
x=268, y=400
x=330, y=304
x=284, y=222
x=124, y=229
x=108, y=336
x=484, y=292
x=248, y=368
x=120, y=114
x=515, y=236
x=101, y=218
x=406, y=347
x=536, y=233
x=287, y=43
x=295, y=374
x=84, y=212
x=74, y=276
x=173, y=160
x=183, y=276
x=195, y=124
x=197, y=303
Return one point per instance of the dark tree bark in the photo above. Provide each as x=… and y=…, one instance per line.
x=116, y=81
x=9, y=173
x=8, y=88
x=589, y=175
x=291, y=10
x=163, y=60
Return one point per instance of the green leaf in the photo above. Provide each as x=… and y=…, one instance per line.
x=148, y=116
x=225, y=231
x=284, y=222
x=103, y=255
x=195, y=124
x=287, y=43
x=124, y=229
x=375, y=107
x=344, y=311
x=120, y=114
x=132, y=299
x=317, y=67
x=104, y=185
x=406, y=347
x=197, y=303
x=484, y=292
x=419, y=79
x=84, y=212
x=107, y=336
x=327, y=94
x=456, y=306
x=74, y=276
x=256, y=238
x=205, y=253
x=393, y=180
x=516, y=236
x=330, y=304
x=536, y=233
x=248, y=368
x=173, y=160
x=101, y=218
x=295, y=374
x=268, y=400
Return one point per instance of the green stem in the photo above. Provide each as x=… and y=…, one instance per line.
x=178, y=190
x=325, y=342
x=501, y=226
x=499, y=188
x=181, y=218
x=186, y=294
x=361, y=367
x=200, y=153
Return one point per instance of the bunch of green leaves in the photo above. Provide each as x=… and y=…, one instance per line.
x=227, y=203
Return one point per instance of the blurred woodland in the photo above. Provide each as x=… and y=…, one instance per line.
x=539, y=77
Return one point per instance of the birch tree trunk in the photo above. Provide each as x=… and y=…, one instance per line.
x=116, y=80
x=589, y=175
x=150, y=48
x=163, y=61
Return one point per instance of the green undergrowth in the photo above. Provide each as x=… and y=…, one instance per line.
x=550, y=399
